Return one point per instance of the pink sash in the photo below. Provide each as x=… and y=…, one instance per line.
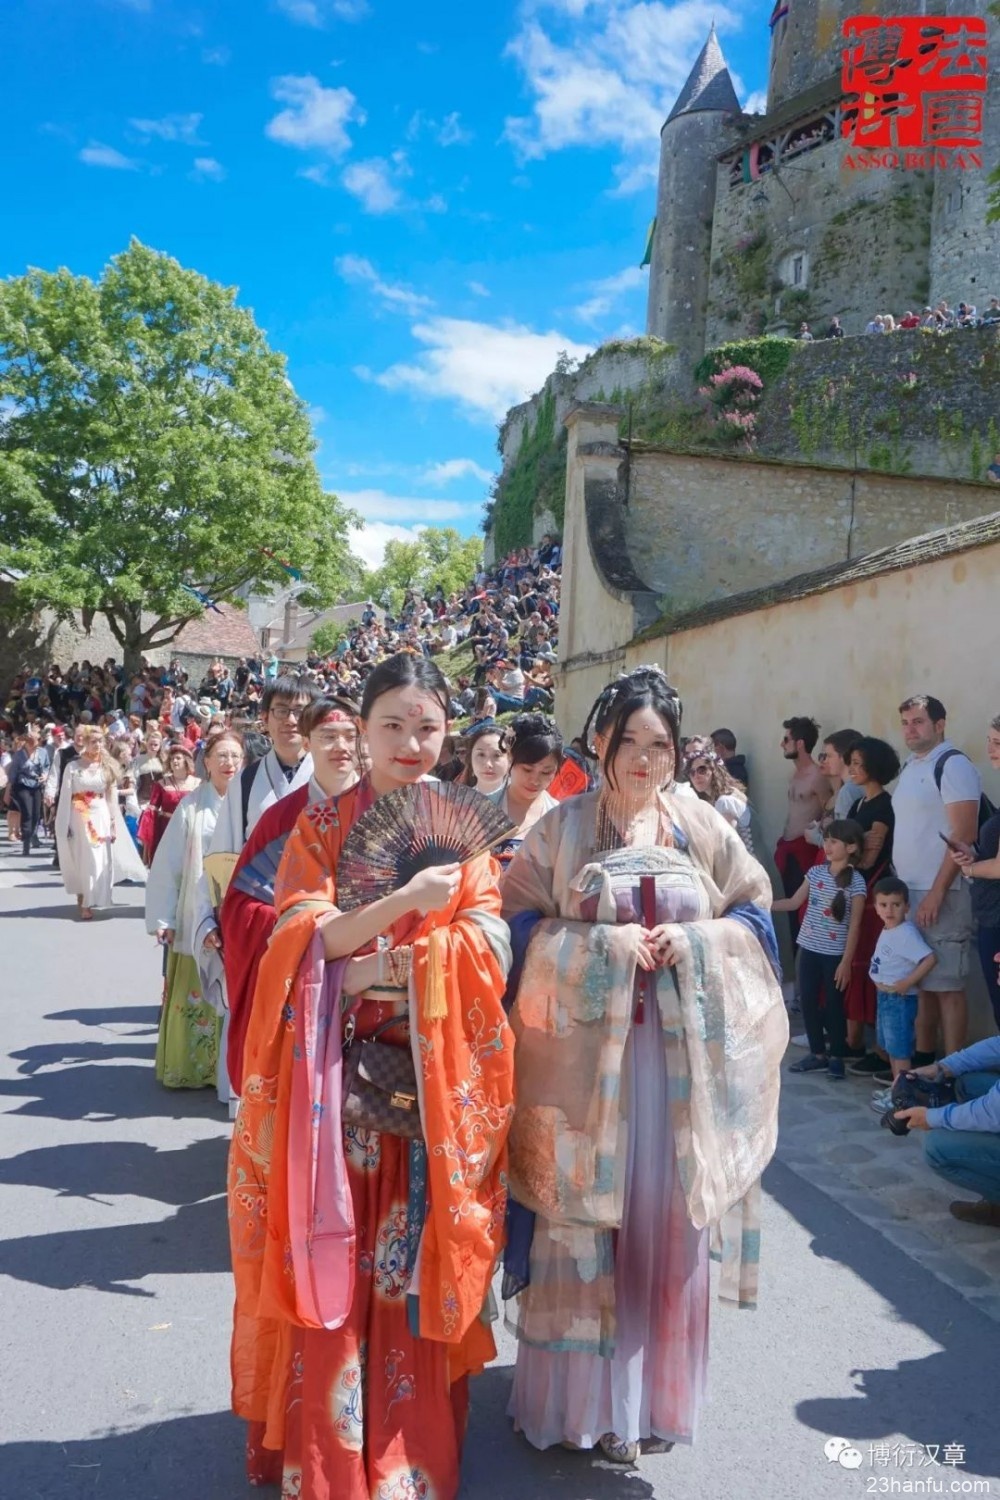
x=321, y=1213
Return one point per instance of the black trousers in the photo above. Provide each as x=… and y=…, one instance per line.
x=28, y=801
x=816, y=985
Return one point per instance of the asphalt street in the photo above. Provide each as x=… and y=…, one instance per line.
x=116, y=1296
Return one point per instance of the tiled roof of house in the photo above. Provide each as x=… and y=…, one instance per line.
x=224, y=631
x=963, y=537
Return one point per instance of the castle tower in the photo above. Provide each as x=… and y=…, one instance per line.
x=807, y=40
x=965, y=249
x=690, y=141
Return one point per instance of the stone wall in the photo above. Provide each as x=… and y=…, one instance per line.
x=840, y=221
x=965, y=248
x=912, y=401
x=701, y=528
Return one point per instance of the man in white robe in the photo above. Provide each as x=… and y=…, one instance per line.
x=284, y=768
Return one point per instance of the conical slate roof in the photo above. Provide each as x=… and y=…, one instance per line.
x=709, y=85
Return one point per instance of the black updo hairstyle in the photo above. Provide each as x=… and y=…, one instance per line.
x=406, y=670
x=530, y=738
x=646, y=687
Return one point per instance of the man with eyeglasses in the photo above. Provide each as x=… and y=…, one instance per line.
x=284, y=768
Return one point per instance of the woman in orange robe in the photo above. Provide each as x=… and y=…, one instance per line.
x=358, y=1322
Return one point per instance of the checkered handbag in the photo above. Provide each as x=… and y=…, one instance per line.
x=380, y=1085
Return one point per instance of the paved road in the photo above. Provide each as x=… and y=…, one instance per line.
x=116, y=1297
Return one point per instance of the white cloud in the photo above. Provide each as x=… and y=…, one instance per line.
x=182, y=128
x=452, y=132
x=358, y=270
x=316, y=117
x=456, y=468
x=318, y=13
x=368, y=542
x=607, y=79
x=378, y=505
x=484, y=367
x=207, y=169
x=477, y=289
x=756, y=102
x=320, y=174
x=606, y=292
x=95, y=154
x=371, y=183
x=216, y=57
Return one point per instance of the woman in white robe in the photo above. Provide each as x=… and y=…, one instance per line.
x=188, y=1044
x=86, y=826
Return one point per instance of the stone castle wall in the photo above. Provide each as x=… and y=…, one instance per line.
x=839, y=221
x=702, y=528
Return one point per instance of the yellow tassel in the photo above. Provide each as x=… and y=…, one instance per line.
x=435, y=999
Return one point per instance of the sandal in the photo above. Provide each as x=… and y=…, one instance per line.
x=618, y=1450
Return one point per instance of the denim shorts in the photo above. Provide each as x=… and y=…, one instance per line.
x=897, y=1019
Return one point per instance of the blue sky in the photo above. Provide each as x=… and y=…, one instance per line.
x=422, y=204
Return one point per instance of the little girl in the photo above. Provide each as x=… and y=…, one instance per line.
x=836, y=893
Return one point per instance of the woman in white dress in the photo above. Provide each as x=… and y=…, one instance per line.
x=714, y=784
x=86, y=825
x=187, y=1048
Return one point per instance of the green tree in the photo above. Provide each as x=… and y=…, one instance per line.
x=439, y=558
x=152, y=445
x=325, y=640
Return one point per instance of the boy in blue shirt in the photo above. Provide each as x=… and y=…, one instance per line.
x=901, y=960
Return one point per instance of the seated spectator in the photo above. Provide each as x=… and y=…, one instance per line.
x=963, y=1142
x=965, y=317
x=993, y=472
x=929, y=319
x=888, y=323
x=992, y=313
x=909, y=320
x=875, y=326
x=804, y=333
x=835, y=331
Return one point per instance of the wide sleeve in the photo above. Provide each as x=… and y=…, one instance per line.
x=227, y=836
x=163, y=885
x=463, y=1049
x=65, y=804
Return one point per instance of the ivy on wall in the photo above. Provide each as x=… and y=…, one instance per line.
x=533, y=482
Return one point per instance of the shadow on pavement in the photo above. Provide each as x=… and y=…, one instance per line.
x=111, y=1168
x=174, y=1459
x=936, y=1400
x=94, y=1092
x=119, y=1015
x=181, y=1458
x=58, y=1054
x=194, y=1240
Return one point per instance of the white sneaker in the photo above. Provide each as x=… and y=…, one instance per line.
x=881, y=1101
x=799, y=1041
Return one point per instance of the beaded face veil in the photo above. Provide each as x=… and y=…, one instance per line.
x=637, y=766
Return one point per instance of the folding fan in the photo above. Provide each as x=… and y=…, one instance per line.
x=256, y=878
x=429, y=823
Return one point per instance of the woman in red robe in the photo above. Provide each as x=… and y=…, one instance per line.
x=356, y=1327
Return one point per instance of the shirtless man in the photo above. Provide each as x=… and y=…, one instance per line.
x=808, y=792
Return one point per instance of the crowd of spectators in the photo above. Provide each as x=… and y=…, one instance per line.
x=940, y=319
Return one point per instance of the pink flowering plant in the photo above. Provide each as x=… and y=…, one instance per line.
x=733, y=394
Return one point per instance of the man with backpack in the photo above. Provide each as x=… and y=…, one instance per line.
x=936, y=805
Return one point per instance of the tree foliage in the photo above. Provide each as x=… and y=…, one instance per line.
x=152, y=445
x=439, y=558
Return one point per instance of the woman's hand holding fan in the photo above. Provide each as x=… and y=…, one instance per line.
x=434, y=888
